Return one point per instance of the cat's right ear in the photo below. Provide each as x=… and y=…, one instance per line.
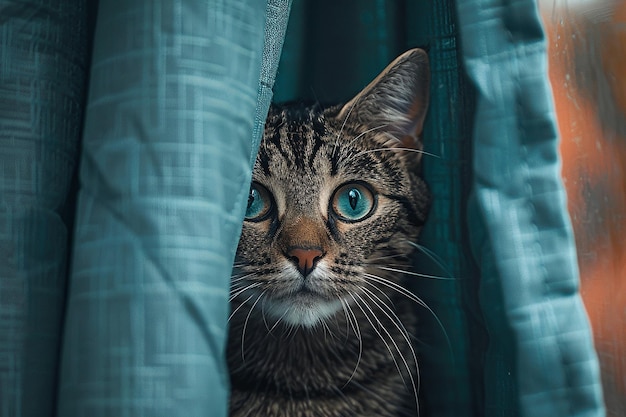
x=396, y=101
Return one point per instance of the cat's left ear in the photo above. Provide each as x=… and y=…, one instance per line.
x=396, y=102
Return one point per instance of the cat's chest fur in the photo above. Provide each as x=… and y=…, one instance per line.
x=313, y=372
x=321, y=322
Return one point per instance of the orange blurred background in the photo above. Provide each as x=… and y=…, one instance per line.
x=587, y=55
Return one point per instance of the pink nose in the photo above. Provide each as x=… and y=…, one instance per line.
x=305, y=258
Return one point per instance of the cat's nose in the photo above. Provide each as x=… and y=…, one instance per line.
x=305, y=258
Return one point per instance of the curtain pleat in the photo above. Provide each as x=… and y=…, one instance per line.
x=44, y=54
x=178, y=90
x=477, y=356
x=521, y=232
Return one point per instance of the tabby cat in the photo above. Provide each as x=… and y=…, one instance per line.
x=321, y=324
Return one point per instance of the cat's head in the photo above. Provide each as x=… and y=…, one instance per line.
x=335, y=195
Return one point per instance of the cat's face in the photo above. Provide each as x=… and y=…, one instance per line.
x=335, y=196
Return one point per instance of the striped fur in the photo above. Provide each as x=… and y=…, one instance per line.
x=334, y=339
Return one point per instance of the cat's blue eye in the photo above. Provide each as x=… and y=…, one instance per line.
x=259, y=203
x=353, y=202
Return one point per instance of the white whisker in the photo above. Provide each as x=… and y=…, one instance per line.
x=245, y=325
x=381, y=258
x=396, y=287
x=396, y=149
x=267, y=326
x=360, y=135
x=238, y=290
x=380, y=291
x=432, y=255
x=395, y=320
x=403, y=291
x=354, y=323
x=240, y=305
x=238, y=278
x=345, y=121
x=326, y=329
x=374, y=327
x=287, y=332
x=393, y=342
x=279, y=320
x=415, y=274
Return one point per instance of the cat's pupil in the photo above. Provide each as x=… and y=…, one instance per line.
x=352, y=202
x=353, y=198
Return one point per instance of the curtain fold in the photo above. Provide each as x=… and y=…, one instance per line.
x=522, y=237
x=178, y=92
x=505, y=347
x=43, y=69
x=178, y=95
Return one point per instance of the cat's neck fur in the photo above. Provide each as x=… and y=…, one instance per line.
x=339, y=367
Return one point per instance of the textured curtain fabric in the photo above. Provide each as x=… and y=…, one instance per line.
x=498, y=233
x=178, y=94
x=44, y=54
x=165, y=132
x=521, y=234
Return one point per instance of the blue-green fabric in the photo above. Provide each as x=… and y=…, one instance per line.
x=178, y=94
x=496, y=364
x=43, y=67
x=178, y=90
x=521, y=233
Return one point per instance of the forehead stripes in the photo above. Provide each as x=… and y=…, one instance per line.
x=295, y=137
x=296, y=134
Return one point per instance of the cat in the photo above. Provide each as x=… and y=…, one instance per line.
x=321, y=324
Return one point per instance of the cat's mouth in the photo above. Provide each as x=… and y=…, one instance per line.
x=306, y=304
x=293, y=299
x=304, y=308
x=308, y=296
x=304, y=294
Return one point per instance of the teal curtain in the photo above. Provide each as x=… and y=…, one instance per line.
x=177, y=97
x=44, y=58
x=521, y=234
x=162, y=104
x=514, y=339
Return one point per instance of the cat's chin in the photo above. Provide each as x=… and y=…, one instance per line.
x=303, y=309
